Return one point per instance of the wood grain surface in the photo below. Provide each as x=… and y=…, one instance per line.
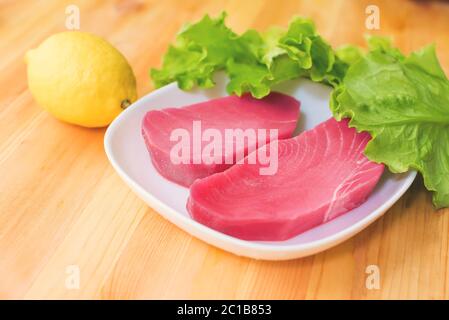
x=62, y=205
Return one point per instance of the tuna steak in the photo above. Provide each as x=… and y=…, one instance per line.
x=322, y=174
x=276, y=112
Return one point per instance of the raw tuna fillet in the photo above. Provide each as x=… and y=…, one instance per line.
x=276, y=111
x=321, y=174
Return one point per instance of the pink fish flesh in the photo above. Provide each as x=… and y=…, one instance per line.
x=322, y=173
x=276, y=111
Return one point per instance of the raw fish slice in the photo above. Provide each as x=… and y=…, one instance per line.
x=321, y=174
x=276, y=111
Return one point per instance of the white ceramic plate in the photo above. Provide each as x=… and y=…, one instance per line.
x=126, y=150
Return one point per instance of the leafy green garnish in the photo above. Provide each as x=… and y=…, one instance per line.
x=403, y=102
x=253, y=61
x=199, y=51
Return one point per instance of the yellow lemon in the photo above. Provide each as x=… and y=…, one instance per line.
x=80, y=78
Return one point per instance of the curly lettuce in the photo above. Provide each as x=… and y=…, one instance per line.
x=403, y=102
x=253, y=61
x=200, y=50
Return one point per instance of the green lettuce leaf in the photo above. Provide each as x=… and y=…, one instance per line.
x=281, y=55
x=311, y=52
x=383, y=45
x=349, y=54
x=403, y=102
x=190, y=71
x=297, y=42
x=247, y=72
x=253, y=61
x=270, y=49
x=200, y=50
x=251, y=78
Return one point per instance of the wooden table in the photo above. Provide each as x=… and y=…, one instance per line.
x=63, y=209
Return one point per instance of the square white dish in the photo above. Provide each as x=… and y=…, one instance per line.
x=128, y=155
